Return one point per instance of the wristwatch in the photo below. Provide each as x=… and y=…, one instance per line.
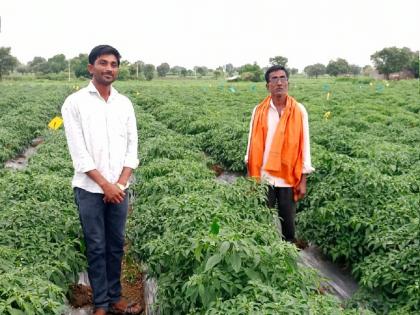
x=121, y=186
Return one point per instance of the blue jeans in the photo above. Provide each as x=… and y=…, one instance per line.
x=103, y=227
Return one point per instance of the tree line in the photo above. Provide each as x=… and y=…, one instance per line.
x=386, y=61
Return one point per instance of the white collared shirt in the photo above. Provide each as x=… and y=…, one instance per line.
x=100, y=134
x=273, y=119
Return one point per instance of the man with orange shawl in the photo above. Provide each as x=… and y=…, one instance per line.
x=278, y=150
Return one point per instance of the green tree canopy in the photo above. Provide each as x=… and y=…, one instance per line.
x=355, y=69
x=37, y=64
x=315, y=70
x=293, y=70
x=79, y=66
x=21, y=68
x=136, y=68
x=123, y=71
x=230, y=69
x=163, y=69
x=279, y=61
x=367, y=70
x=149, y=71
x=201, y=70
x=184, y=72
x=415, y=64
x=251, y=72
x=393, y=59
x=176, y=70
x=218, y=73
x=337, y=67
x=57, y=63
x=7, y=61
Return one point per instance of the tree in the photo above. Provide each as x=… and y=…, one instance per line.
x=37, y=64
x=201, y=71
x=367, y=70
x=22, y=69
x=251, y=72
x=217, y=73
x=123, y=71
x=184, y=72
x=7, y=61
x=136, y=68
x=229, y=69
x=163, y=69
x=392, y=59
x=57, y=63
x=279, y=61
x=340, y=66
x=355, y=69
x=79, y=66
x=149, y=71
x=177, y=70
x=415, y=67
x=315, y=70
x=293, y=71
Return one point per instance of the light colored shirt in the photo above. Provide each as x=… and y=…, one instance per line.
x=100, y=134
x=273, y=118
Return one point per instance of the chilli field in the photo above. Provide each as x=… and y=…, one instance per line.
x=213, y=247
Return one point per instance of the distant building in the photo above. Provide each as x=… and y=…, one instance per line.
x=401, y=75
x=376, y=75
x=233, y=78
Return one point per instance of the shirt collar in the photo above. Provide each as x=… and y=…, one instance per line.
x=91, y=88
x=272, y=104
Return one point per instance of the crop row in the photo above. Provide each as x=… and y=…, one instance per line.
x=24, y=113
x=363, y=202
x=213, y=248
x=40, y=244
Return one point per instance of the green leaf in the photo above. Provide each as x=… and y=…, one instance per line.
x=215, y=227
x=213, y=261
x=235, y=261
x=224, y=247
x=14, y=311
x=253, y=275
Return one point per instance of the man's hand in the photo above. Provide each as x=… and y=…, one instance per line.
x=112, y=193
x=301, y=188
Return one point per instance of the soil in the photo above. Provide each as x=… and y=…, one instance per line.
x=80, y=295
x=132, y=289
x=217, y=169
x=132, y=284
x=301, y=244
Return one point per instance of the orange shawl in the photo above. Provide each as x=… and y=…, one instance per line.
x=286, y=152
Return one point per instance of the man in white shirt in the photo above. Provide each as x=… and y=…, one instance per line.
x=101, y=134
x=278, y=150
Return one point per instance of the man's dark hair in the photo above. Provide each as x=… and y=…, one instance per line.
x=103, y=50
x=273, y=69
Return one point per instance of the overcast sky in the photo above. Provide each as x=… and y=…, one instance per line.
x=211, y=32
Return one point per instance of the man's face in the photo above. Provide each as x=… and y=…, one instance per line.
x=104, y=70
x=278, y=83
